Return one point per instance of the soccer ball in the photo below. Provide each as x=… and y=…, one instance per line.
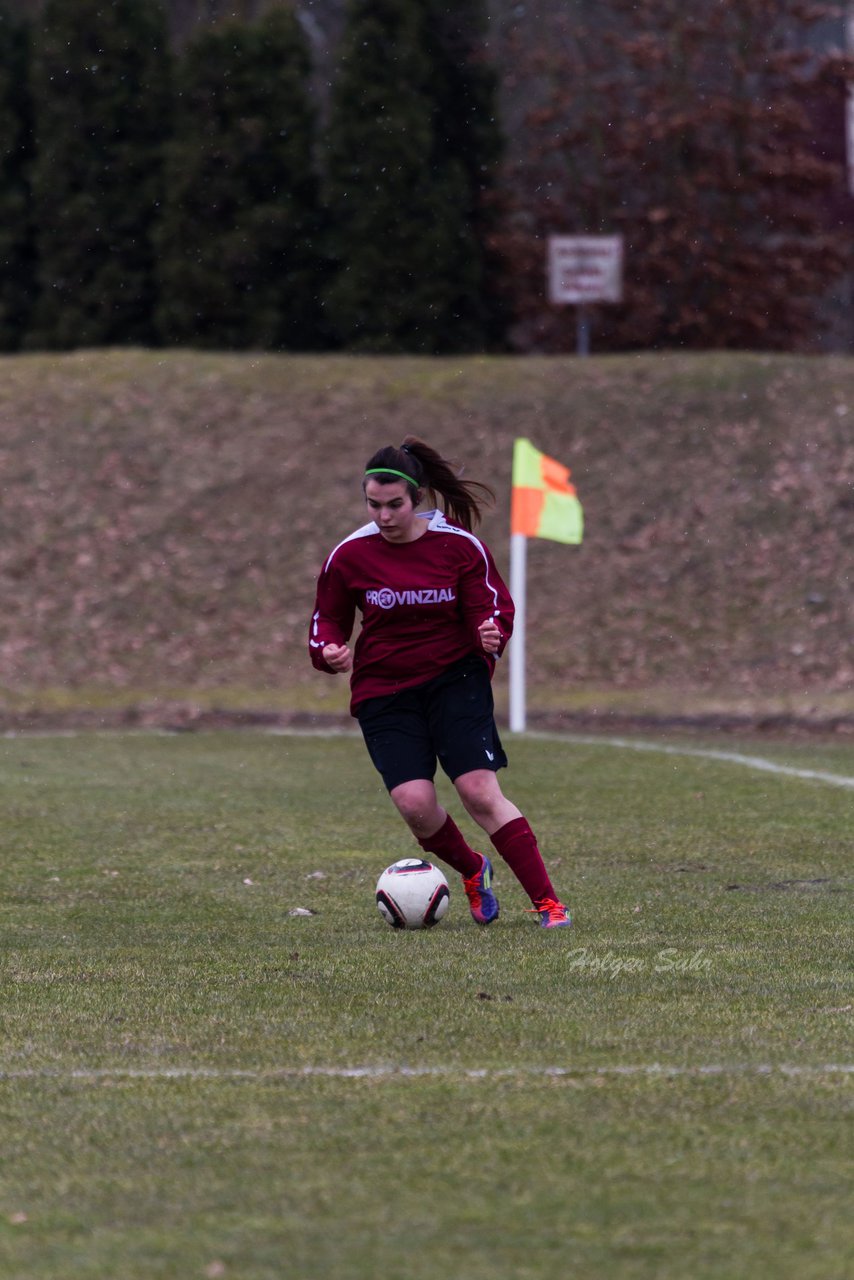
x=412, y=894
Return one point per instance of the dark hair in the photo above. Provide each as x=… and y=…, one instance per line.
x=462, y=500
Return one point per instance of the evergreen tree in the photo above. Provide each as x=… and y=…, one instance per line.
x=465, y=87
x=101, y=110
x=17, y=268
x=239, y=242
x=409, y=266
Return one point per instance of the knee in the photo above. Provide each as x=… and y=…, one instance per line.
x=480, y=795
x=416, y=803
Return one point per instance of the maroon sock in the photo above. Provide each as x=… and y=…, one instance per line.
x=449, y=844
x=517, y=844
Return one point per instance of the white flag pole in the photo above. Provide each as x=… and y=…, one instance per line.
x=518, y=571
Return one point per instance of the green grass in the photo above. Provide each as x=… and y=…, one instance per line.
x=145, y=886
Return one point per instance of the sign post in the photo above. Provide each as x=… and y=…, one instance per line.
x=585, y=269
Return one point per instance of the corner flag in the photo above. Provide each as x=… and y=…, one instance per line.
x=544, y=504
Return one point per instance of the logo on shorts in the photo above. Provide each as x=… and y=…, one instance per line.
x=387, y=599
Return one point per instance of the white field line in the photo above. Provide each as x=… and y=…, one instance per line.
x=260, y=1075
x=703, y=753
x=635, y=744
x=578, y=739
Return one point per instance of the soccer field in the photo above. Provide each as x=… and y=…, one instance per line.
x=196, y=1083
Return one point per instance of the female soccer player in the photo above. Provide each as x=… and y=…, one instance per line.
x=435, y=616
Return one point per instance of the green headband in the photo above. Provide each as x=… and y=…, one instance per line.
x=390, y=471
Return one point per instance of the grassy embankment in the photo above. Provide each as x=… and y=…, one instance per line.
x=165, y=514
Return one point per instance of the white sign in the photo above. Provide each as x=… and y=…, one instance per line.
x=585, y=269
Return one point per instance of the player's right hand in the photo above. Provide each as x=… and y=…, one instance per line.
x=338, y=657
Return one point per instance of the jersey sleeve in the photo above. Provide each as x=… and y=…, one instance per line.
x=333, y=615
x=484, y=594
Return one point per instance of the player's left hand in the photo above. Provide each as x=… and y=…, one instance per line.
x=490, y=635
x=339, y=657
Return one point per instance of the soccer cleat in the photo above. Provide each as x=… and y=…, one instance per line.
x=482, y=901
x=553, y=914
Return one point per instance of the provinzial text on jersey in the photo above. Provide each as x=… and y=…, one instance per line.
x=387, y=599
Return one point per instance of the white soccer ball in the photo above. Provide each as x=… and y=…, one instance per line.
x=412, y=894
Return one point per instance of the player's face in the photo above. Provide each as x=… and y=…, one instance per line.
x=392, y=508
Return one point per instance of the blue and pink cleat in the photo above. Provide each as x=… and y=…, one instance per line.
x=553, y=914
x=482, y=901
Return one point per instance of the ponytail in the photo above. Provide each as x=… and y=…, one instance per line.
x=427, y=471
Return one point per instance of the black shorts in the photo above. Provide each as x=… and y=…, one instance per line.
x=449, y=719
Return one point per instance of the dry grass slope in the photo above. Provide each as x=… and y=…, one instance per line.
x=165, y=514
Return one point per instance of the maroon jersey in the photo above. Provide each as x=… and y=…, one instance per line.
x=421, y=604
